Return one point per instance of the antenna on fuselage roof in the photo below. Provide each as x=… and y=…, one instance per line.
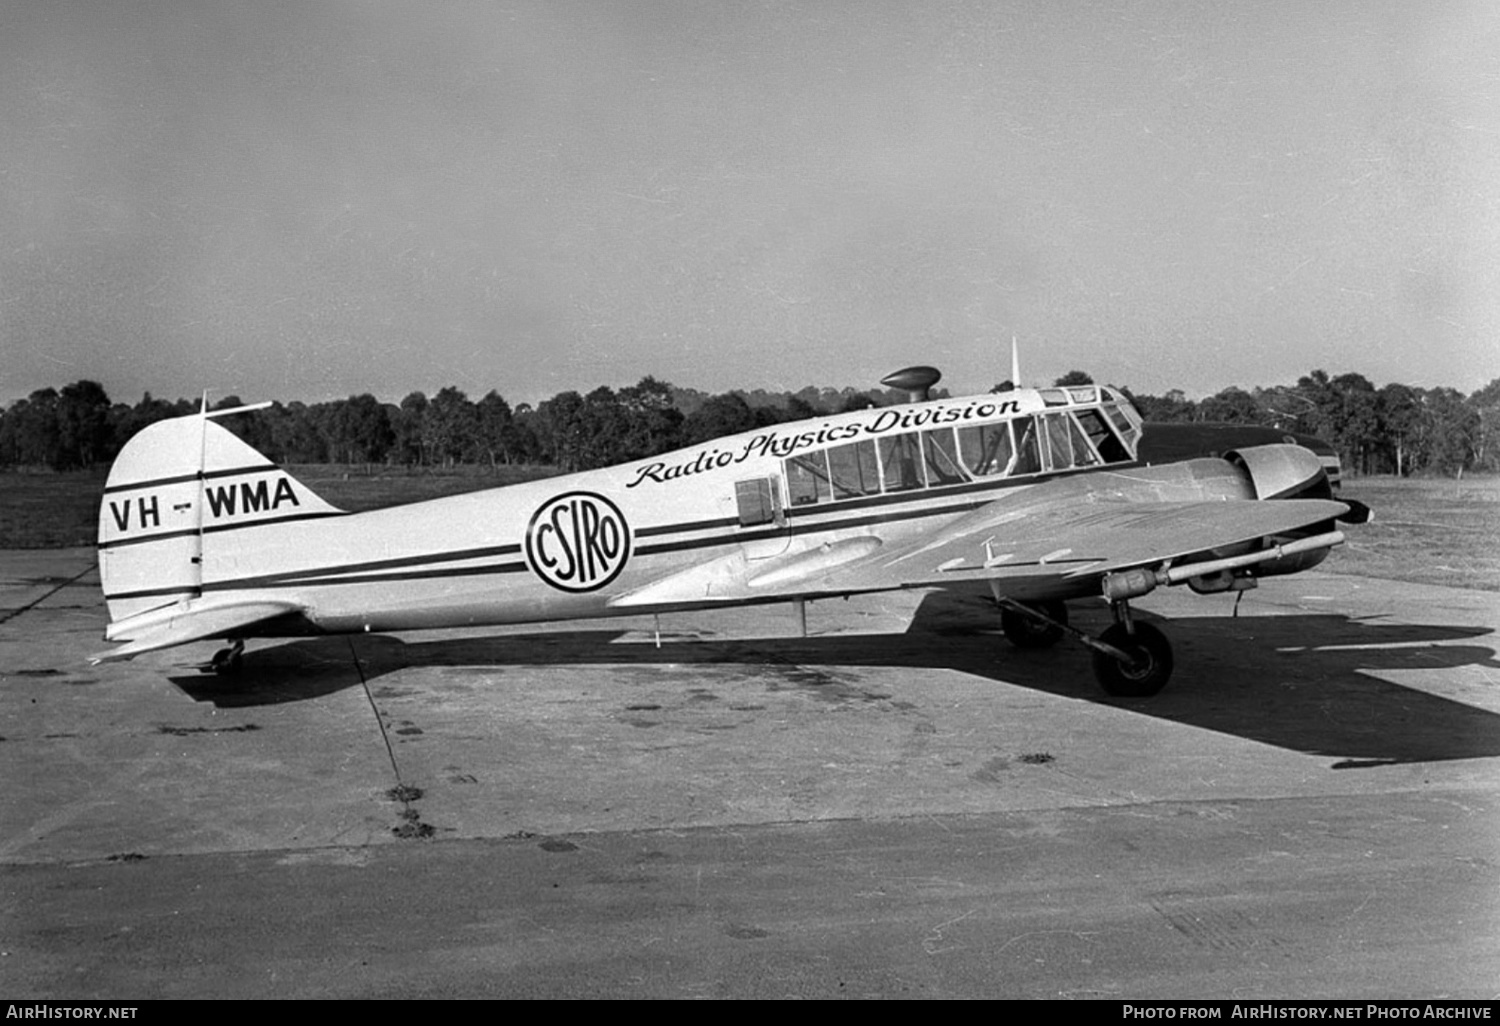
x=916, y=382
x=1015, y=363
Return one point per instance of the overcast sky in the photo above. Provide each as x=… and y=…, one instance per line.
x=307, y=200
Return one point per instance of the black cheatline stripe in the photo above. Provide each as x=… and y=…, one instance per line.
x=412, y=575
x=248, y=583
x=189, y=532
x=308, y=576
x=182, y=589
x=771, y=533
x=824, y=512
x=260, y=468
x=289, y=518
x=697, y=525
x=163, y=536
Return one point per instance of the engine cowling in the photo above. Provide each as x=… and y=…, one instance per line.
x=1282, y=471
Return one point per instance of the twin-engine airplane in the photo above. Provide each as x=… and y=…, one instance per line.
x=1038, y=494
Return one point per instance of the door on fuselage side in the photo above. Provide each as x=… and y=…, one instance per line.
x=762, y=516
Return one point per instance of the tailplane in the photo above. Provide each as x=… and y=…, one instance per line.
x=175, y=485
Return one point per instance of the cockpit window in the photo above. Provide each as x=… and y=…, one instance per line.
x=1126, y=421
x=1067, y=445
x=1059, y=446
x=1083, y=453
x=1110, y=448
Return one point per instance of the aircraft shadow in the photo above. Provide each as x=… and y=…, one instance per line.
x=1303, y=683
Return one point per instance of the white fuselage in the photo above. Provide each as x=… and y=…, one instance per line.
x=594, y=543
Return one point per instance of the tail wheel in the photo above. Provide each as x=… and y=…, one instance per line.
x=1027, y=631
x=1149, y=669
x=227, y=662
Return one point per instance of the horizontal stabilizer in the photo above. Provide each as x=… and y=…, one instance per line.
x=192, y=621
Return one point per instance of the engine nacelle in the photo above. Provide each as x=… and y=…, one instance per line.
x=1282, y=471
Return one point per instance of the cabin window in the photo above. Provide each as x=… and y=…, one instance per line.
x=852, y=470
x=1086, y=394
x=1111, y=449
x=807, y=479
x=941, y=450
x=758, y=501
x=986, y=449
x=901, y=462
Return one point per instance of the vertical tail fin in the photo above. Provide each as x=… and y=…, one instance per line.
x=174, y=486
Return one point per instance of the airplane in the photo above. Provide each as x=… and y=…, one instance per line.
x=1038, y=495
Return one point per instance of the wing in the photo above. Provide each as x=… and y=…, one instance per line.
x=180, y=623
x=1035, y=548
x=1066, y=544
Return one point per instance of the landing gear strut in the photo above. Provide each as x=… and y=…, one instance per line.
x=228, y=661
x=1131, y=660
x=1026, y=630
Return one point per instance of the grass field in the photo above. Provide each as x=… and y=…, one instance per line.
x=1427, y=531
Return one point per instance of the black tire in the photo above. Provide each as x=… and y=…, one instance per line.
x=227, y=662
x=1151, y=669
x=1027, y=632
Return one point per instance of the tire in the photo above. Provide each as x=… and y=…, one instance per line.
x=1144, y=677
x=227, y=662
x=1026, y=632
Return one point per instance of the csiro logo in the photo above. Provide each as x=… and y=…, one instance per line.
x=578, y=542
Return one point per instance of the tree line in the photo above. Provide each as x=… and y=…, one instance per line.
x=1397, y=429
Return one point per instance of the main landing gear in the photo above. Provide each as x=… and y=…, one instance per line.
x=1131, y=660
x=227, y=662
x=1147, y=663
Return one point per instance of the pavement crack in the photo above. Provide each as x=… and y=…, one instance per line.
x=12, y=614
x=411, y=826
